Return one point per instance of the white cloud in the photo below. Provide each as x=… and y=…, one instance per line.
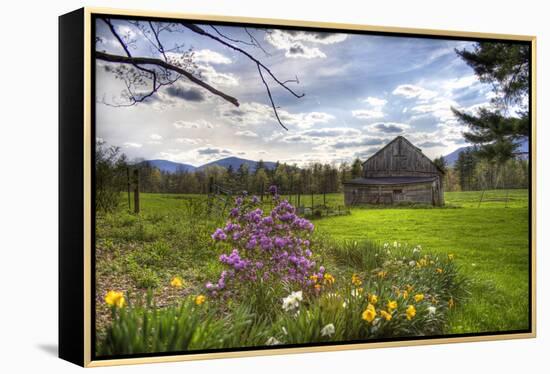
x=126, y=32
x=156, y=137
x=247, y=133
x=295, y=43
x=374, y=110
x=411, y=91
x=367, y=113
x=217, y=79
x=387, y=127
x=375, y=101
x=187, y=141
x=439, y=108
x=198, y=124
x=208, y=56
x=458, y=83
x=132, y=145
x=332, y=131
x=253, y=113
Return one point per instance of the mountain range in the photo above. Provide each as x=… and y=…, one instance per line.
x=452, y=157
x=235, y=162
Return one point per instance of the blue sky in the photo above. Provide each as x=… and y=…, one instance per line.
x=360, y=92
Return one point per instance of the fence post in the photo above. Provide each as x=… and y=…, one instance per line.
x=129, y=188
x=263, y=190
x=136, y=191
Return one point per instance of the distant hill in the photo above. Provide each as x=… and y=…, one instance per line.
x=169, y=166
x=236, y=162
x=452, y=157
x=174, y=167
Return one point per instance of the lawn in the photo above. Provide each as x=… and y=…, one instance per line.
x=490, y=242
x=172, y=237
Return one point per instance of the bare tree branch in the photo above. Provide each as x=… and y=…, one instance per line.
x=270, y=97
x=161, y=70
x=256, y=42
x=200, y=31
x=163, y=64
x=230, y=39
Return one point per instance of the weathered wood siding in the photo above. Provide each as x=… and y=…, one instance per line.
x=423, y=193
x=399, y=159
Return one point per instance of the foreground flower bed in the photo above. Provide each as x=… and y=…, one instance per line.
x=281, y=285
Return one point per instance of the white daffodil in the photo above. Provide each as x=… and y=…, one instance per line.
x=431, y=310
x=328, y=330
x=412, y=263
x=292, y=301
x=272, y=341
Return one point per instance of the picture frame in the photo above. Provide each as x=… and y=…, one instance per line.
x=79, y=291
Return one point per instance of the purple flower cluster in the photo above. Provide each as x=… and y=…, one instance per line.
x=275, y=246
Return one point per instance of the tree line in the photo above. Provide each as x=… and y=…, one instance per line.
x=114, y=172
x=471, y=172
x=313, y=178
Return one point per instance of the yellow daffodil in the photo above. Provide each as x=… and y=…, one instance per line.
x=419, y=297
x=200, y=299
x=409, y=288
x=451, y=303
x=411, y=312
x=115, y=298
x=392, y=304
x=382, y=274
x=451, y=256
x=369, y=314
x=405, y=294
x=439, y=271
x=176, y=282
x=355, y=280
x=373, y=299
x=385, y=315
x=329, y=279
x=313, y=277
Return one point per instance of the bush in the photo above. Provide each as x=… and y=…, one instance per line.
x=268, y=250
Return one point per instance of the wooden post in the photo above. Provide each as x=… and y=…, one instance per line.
x=129, y=188
x=481, y=198
x=136, y=191
x=262, y=192
x=211, y=185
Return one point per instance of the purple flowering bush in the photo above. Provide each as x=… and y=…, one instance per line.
x=263, y=248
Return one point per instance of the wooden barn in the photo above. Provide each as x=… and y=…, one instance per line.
x=399, y=172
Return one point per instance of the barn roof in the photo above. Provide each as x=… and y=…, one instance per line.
x=385, y=181
x=412, y=145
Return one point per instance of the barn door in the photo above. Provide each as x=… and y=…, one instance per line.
x=397, y=195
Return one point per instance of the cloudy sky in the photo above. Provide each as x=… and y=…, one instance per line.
x=360, y=92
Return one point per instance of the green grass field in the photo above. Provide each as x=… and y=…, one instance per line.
x=171, y=237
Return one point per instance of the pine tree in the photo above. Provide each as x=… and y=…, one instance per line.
x=506, y=66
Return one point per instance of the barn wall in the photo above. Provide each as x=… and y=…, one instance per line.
x=399, y=159
x=413, y=193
